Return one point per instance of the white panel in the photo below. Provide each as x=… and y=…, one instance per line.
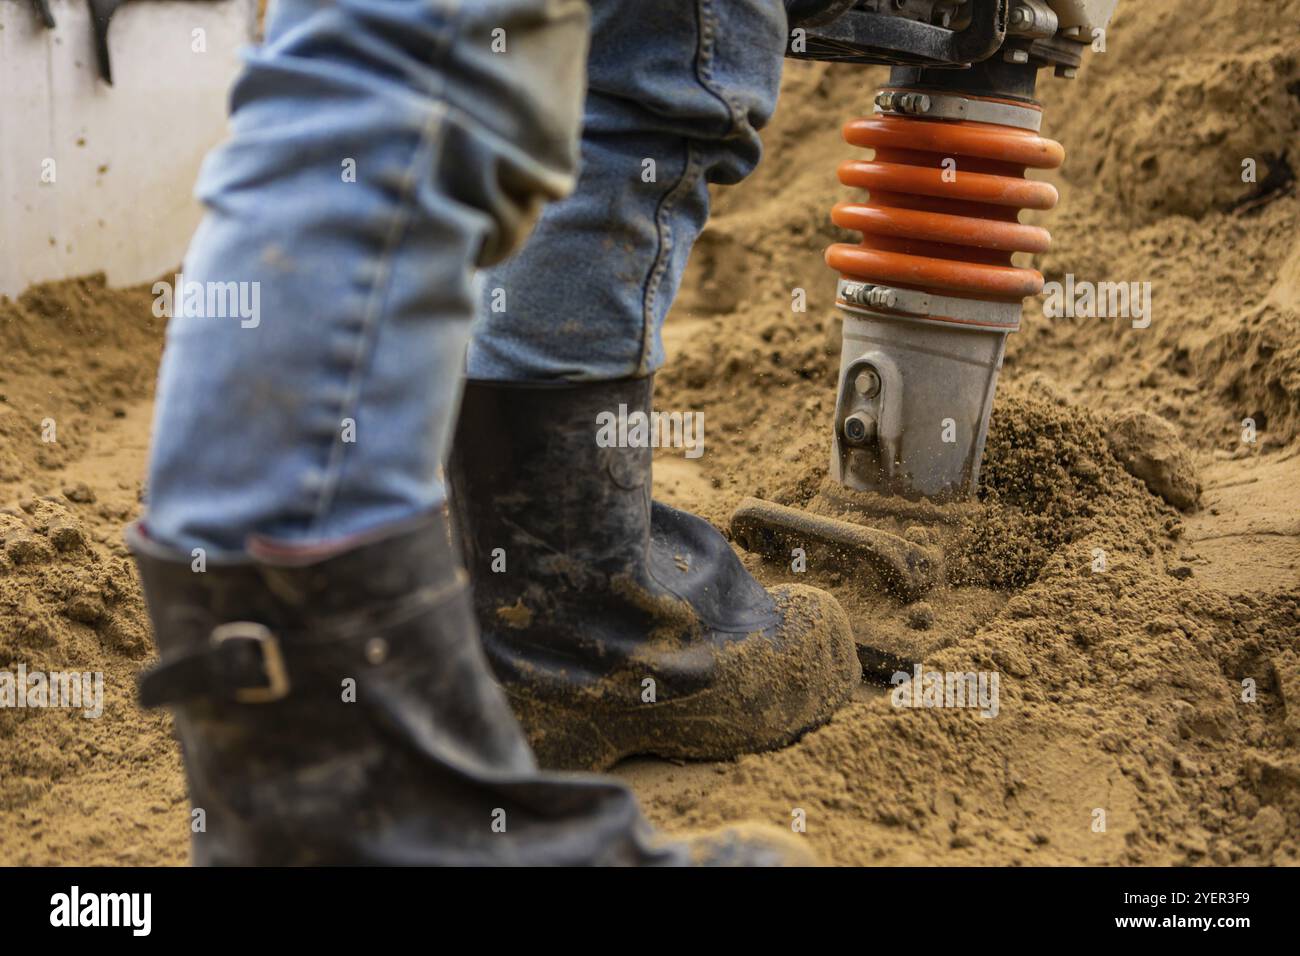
x=126, y=156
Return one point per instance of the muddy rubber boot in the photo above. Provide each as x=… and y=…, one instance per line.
x=618, y=625
x=337, y=709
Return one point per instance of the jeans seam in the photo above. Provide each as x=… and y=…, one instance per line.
x=660, y=266
x=707, y=29
x=431, y=136
x=708, y=21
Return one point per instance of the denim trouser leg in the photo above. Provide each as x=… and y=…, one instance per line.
x=677, y=90
x=380, y=150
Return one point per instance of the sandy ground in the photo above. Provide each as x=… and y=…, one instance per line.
x=1124, y=693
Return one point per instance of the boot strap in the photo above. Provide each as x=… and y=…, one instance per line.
x=243, y=664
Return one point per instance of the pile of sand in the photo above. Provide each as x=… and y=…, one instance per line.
x=74, y=357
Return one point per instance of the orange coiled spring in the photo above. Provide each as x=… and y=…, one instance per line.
x=950, y=234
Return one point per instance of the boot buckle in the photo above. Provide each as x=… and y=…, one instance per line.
x=277, y=675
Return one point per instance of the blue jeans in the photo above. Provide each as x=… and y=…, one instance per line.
x=382, y=151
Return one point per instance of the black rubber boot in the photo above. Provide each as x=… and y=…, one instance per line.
x=337, y=709
x=618, y=625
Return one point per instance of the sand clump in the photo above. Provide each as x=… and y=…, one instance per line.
x=1149, y=449
x=1049, y=481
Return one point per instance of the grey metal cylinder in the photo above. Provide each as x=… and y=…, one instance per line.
x=914, y=399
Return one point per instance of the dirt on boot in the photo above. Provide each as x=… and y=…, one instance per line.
x=765, y=691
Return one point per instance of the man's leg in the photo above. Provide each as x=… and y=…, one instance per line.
x=380, y=151
x=316, y=639
x=618, y=626
x=677, y=91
